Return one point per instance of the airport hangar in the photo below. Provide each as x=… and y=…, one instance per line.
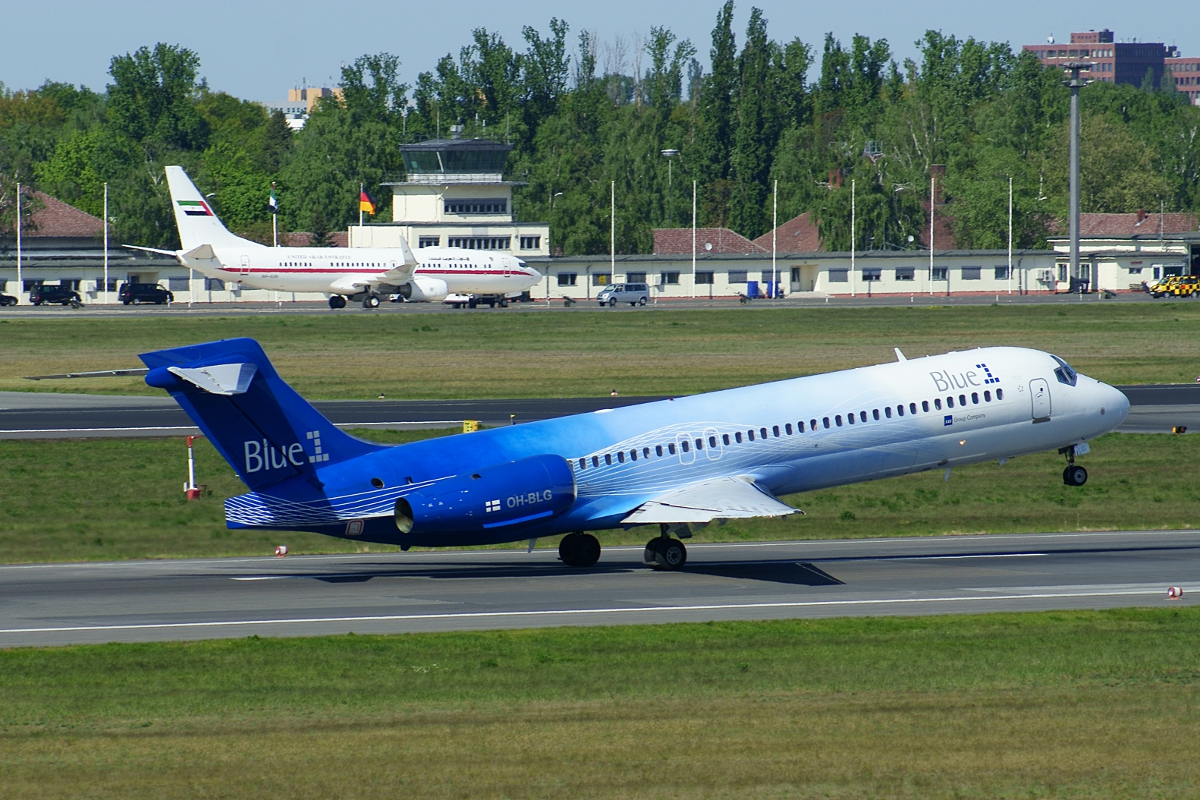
x=454, y=195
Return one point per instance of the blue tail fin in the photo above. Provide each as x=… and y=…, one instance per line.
x=266, y=431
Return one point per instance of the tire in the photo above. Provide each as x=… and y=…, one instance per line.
x=370, y=301
x=651, y=554
x=671, y=555
x=612, y=302
x=580, y=550
x=1075, y=475
x=337, y=301
x=641, y=301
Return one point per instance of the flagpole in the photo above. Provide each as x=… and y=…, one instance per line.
x=361, y=188
x=274, y=218
x=106, y=298
x=1010, y=235
x=774, y=232
x=20, y=283
x=612, y=234
x=852, y=231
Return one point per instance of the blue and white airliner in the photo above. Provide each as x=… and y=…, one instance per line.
x=677, y=464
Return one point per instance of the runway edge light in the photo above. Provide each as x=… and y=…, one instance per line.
x=1174, y=593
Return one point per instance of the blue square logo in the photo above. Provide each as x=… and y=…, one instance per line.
x=947, y=420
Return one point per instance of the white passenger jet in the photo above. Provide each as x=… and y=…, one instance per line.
x=355, y=273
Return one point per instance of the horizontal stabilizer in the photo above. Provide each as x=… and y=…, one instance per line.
x=100, y=373
x=223, y=379
x=202, y=252
x=171, y=253
x=705, y=501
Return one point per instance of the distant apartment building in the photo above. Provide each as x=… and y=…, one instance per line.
x=1123, y=62
x=300, y=103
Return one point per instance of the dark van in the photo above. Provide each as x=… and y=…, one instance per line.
x=144, y=293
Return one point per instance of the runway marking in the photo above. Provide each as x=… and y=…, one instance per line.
x=465, y=615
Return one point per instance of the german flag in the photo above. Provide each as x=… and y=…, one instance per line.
x=365, y=203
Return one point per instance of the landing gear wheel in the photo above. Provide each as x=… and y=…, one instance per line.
x=579, y=550
x=666, y=554
x=612, y=302
x=651, y=555
x=371, y=301
x=335, y=302
x=1075, y=475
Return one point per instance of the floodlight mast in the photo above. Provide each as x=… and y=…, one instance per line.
x=1075, y=83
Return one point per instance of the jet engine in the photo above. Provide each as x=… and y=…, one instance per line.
x=509, y=496
x=424, y=290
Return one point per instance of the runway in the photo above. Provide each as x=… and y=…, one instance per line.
x=33, y=415
x=139, y=601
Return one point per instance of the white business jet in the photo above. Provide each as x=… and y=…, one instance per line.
x=360, y=274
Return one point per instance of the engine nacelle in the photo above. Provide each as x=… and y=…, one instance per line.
x=513, y=495
x=425, y=290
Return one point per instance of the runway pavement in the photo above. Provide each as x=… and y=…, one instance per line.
x=33, y=415
x=475, y=590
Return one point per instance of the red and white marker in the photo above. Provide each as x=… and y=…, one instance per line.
x=281, y=550
x=1174, y=593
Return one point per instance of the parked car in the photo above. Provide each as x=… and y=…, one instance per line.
x=144, y=293
x=7, y=300
x=636, y=294
x=48, y=293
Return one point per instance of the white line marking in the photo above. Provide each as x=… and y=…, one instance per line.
x=580, y=611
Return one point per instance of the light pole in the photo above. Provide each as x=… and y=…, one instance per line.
x=669, y=155
x=106, y=299
x=612, y=234
x=20, y=281
x=693, y=238
x=852, y=232
x=1075, y=83
x=1010, y=234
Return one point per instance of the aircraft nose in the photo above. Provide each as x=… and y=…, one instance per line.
x=1114, y=403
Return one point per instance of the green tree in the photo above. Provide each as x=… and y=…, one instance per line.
x=152, y=97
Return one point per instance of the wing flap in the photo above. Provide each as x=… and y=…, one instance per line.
x=705, y=501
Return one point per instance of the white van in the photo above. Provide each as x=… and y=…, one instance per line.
x=636, y=294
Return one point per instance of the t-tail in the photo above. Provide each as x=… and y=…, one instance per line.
x=198, y=224
x=264, y=429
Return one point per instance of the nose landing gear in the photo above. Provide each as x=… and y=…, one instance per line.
x=1074, y=475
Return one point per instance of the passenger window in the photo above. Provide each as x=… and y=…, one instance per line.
x=595, y=461
x=975, y=398
x=608, y=458
x=684, y=445
x=645, y=452
x=924, y=405
x=633, y=455
x=838, y=419
x=875, y=413
x=775, y=430
x=658, y=450
x=937, y=403
x=887, y=412
x=699, y=444
x=912, y=408
x=962, y=399
x=812, y=425
x=862, y=415
x=725, y=438
x=900, y=410
x=671, y=448
x=949, y=402
x=621, y=457
x=763, y=431
x=999, y=394
x=825, y=422
x=712, y=442
x=750, y=435
x=788, y=428
x=851, y=418
x=583, y=463
x=987, y=396
x=737, y=437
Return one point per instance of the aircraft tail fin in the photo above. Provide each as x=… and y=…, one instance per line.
x=263, y=428
x=198, y=224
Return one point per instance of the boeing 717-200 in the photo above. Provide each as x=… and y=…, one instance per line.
x=675, y=464
x=358, y=273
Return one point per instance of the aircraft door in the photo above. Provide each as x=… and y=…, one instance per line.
x=1039, y=395
x=245, y=267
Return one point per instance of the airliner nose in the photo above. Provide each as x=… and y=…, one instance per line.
x=1115, y=403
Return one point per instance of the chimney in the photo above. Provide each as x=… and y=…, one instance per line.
x=1141, y=216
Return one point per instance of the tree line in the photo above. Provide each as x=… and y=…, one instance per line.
x=581, y=113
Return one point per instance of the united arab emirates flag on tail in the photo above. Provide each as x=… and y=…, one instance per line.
x=365, y=203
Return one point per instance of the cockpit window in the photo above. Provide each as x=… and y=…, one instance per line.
x=1064, y=373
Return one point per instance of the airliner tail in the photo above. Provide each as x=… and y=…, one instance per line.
x=194, y=217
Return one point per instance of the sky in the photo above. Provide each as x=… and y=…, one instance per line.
x=258, y=50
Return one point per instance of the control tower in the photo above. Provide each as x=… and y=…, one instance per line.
x=455, y=195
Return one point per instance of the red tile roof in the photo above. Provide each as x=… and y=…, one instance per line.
x=678, y=241
x=56, y=218
x=1101, y=225
x=305, y=239
x=797, y=235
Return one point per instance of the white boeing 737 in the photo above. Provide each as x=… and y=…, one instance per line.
x=355, y=273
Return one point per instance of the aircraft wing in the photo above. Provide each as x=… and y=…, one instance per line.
x=403, y=272
x=707, y=500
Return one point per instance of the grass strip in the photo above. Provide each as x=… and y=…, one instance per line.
x=1062, y=704
x=588, y=352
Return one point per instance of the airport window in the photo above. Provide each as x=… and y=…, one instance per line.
x=480, y=242
x=875, y=413
x=177, y=284
x=704, y=279
x=608, y=458
x=905, y=273
x=839, y=276
x=970, y=273
x=962, y=400
x=635, y=277
x=987, y=396
x=429, y=241
x=750, y=435
x=975, y=398
x=567, y=278
x=725, y=438
x=838, y=419
x=531, y=243
x=737, y=276
x=924, y=405
x=872, y=274
x=999, y=394
x=887, y=412
x=621, y=457
x=212, y=285
x=671, y=448
x=937, y=403
x=1002, y=273
x=658, y=450
x=949, y=402
x=712, y=442
x=900, y=410
x=940, y=273
x=668, y=278
x=912, y=408
x=737, y=437
x=498, y=205
x=788, y=428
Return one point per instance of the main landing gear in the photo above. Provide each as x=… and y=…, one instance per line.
x=337, y=301
x=664, y=552
x=1073, y=475
x=371, y=301
x=579, y=550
